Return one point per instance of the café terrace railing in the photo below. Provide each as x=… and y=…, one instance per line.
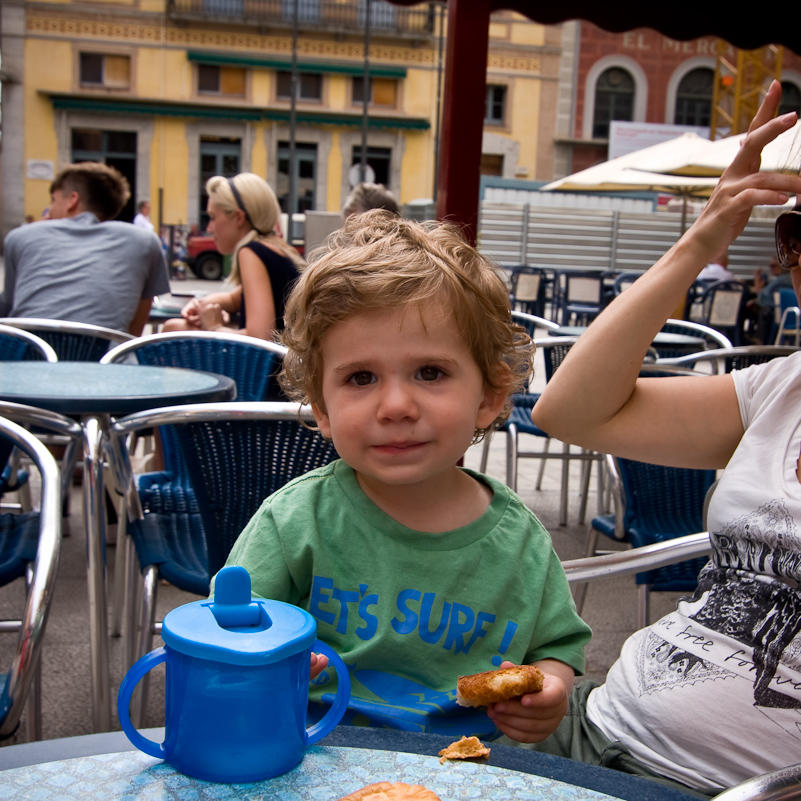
x=348, y=16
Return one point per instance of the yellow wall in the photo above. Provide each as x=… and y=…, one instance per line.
x=40, y=119
x=417, y=169
x=525, y=119
x=169, y=169
x=163, y=73
x=333, y=202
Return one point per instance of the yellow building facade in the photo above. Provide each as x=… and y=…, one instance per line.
x=173, y=91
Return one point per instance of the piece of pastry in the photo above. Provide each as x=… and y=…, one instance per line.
x=492, y=686
x=466, y=748
x=392, y=791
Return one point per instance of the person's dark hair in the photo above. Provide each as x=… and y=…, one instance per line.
x=365, y=197
x=102, y=189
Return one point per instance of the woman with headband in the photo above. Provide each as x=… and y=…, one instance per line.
x=243, y=211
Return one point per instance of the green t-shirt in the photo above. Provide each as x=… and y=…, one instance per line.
x=410, y=611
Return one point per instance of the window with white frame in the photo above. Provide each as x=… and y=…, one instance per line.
x=495, y=105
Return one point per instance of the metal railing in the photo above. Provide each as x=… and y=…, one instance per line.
x=590, y=239
x=347, y=16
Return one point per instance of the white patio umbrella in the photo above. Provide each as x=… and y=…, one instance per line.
x=782, y=154
x=629, y=173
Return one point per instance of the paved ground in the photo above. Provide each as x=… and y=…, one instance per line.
x=610, y=607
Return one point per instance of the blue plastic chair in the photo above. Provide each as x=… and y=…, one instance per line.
x=73, y=342
x=554, y=350
x=653, y=504
x=30, y=546
x=249, y=361
x=528, y=286
x=788, y=317
x=237, y=454
x=18, y=345
x=580, y=297
x=720, y=306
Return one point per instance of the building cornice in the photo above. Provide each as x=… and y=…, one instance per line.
x=228, y=111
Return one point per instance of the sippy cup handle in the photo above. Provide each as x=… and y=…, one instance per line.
x=327, y=723
x=132, y=678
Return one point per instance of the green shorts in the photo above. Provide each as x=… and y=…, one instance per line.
x=580, y=739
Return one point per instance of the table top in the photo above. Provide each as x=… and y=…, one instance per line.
x=107, y=766
x=92, y=388
x=325, y=774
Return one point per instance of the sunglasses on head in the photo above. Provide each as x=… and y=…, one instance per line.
x=788, y=238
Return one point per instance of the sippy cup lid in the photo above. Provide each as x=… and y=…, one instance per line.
x=237, y=629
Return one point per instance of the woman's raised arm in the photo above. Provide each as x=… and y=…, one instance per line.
x=595, y=398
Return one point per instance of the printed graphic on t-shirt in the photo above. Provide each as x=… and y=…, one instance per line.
x=756, y=618
x=663, y=665
x=383, y=698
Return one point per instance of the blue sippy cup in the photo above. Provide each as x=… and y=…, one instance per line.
x=237, y=685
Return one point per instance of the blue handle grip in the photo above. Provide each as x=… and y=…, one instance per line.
x=132, y=678
x=327, y=723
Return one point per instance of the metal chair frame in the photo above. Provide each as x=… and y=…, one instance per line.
x=531, y=322
x=619, y=501
x=36, y=346
x=713, y=337
x=54, y=332
x=118, y=353
x=23, y=683
x=723, y=360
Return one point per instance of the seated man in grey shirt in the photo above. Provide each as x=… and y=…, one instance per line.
x=81, y=265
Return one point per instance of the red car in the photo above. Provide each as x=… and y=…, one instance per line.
x=203, y=257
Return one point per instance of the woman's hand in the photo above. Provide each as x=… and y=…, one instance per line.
x=742, y=186
x=212, y=316
x=191, y=313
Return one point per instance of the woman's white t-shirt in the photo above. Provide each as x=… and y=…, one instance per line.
x=711, y=694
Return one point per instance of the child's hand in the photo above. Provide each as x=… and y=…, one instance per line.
x=531, y=718
x=319, y=663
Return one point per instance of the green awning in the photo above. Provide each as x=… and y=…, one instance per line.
x=159, y=108
x=331, y=67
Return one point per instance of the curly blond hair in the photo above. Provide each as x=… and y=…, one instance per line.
x=379, y=261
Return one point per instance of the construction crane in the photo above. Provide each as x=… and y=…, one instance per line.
x=741, y=81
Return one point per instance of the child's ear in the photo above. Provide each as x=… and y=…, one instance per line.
x=323, y=422
x=490, y=407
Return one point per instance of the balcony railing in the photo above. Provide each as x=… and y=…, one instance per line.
x=348, y=16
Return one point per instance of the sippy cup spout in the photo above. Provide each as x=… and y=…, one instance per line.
x=232, y=607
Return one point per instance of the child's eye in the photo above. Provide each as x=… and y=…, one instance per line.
x=362, y=378
x=429, y=373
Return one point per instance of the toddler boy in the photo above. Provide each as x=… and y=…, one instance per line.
x=417, y=571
